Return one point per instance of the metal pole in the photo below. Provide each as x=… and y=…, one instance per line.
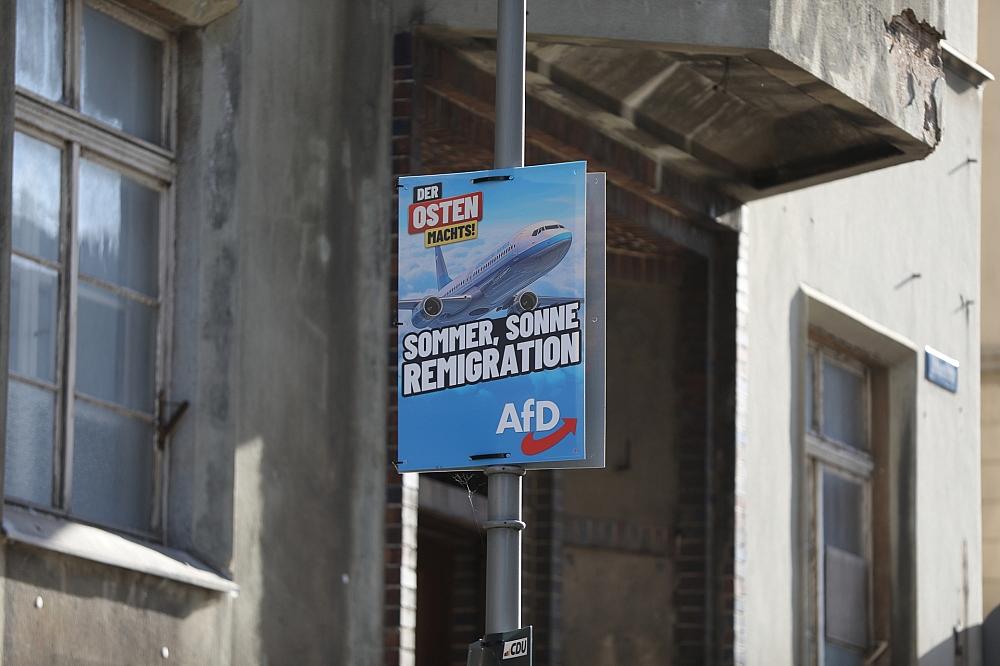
x=509, y=140
x=503, y=524
x=503, y=549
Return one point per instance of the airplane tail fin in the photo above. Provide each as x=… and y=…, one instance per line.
x=442, y=269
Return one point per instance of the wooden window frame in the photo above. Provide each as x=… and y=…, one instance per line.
x=79, y=137
x=824, y=454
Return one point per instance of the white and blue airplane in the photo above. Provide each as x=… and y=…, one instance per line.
x=499, y=281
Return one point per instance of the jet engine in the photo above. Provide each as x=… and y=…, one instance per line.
x=431, y=307
x=428, y=309
x=524, y=301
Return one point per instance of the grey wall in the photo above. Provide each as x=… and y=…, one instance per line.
x=281, y=310
x=304, y=275
x=94, y=614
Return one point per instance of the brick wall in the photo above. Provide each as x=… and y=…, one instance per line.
x=438, y=127
x=401, y=490
x=541, y=563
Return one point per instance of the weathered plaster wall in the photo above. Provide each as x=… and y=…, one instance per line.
x=206, y=312
x=858, y=241
x=281, y=301
x=312, y=210
x=93, y=614
x=882, y=54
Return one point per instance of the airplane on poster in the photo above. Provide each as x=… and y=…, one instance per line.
x=498, y=282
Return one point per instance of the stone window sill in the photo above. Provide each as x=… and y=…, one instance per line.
x=93, y=543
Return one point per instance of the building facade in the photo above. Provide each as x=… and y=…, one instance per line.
x=197, y=333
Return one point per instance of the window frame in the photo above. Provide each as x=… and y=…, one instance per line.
x=826, y=455
x=79, y=137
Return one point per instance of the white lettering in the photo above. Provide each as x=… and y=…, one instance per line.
x=508, y=419
x=549, y=423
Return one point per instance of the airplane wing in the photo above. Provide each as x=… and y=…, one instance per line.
x=546, y=301
x=450, y=303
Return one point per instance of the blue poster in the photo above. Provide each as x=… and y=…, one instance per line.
x=492, y=305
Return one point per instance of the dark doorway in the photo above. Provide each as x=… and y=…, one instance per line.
x=451, y=565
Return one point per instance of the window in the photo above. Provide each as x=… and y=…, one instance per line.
x=92, y=190
x=840, y=467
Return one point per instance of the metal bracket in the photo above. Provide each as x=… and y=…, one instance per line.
x=508, y=524
x=504, y=469
x=165, y=428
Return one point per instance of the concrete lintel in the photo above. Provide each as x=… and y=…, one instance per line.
x=185, y=13
x=879, y=102
x=771, y=127
x=738, y=24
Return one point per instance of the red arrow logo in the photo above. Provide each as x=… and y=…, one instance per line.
x=532, y=447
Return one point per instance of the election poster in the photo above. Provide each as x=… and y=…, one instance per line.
x=492, y=318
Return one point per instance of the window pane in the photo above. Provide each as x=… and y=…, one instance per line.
x=33, y=302
x=112, y=467
x=115, y=350
x=842, y=513
x=846, y=598
x=39, y=47
x=843, y=405
x=122, y=77
x=30, y=424
x=118, y=229
x=37, y=168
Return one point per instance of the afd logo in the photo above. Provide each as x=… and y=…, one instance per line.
x=545, y=415
x=514, y=649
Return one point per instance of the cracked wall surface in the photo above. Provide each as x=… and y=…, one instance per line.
x=885, y=58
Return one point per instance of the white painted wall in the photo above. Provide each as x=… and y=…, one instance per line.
x=855, y=241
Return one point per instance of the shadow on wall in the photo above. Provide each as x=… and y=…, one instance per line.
x=991, y=638
x=60, y=609
x=963, y=648
x=796, y=426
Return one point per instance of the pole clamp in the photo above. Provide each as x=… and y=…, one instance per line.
x=508, y=524
x=504, y=469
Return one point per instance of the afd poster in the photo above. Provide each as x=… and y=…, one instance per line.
x=492, y=307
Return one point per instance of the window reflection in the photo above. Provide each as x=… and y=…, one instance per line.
x=39, y=47
x=118, y=229
x=843, y=405
x=30, y=429
x=122, y=76
x=33, y=320
x=36, y=197
x=116, y=346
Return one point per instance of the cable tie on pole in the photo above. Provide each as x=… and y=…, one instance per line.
x=490, y=179
x=488, y=456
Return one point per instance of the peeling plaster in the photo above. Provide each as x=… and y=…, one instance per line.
x=915, y=51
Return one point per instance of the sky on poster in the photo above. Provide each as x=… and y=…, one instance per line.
x=537, y=193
